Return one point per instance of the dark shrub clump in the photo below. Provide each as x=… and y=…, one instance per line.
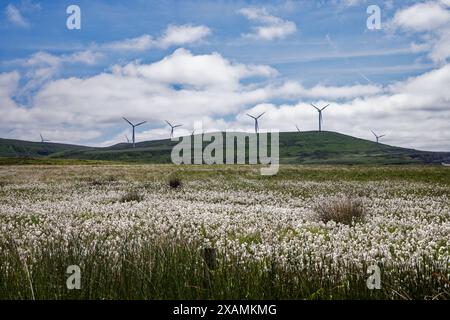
x=175, y=182
x=344, y=210
x=132, y=195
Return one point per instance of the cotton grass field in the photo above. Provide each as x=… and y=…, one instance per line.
x=224, y=232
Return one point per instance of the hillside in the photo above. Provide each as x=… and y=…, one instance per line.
x=20, y=148
x=295, y=148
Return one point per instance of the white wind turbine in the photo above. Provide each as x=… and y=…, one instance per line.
x=320, y=115
x=134, y=126
x=172, y=127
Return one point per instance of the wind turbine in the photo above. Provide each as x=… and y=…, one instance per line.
x=378, y=137
x=193, y=132
x=320, y=115
x=172, y=127
x=43, y=140
x=256, y=120
x=134, y=126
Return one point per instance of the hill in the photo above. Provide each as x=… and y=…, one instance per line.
x=28, y=149
x=295, y=148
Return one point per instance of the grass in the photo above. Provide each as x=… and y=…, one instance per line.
x=143, y=273
x=168, y=269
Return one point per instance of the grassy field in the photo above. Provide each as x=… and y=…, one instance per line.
x=226, y=232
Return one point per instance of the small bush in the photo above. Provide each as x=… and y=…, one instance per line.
x=343, y=210
x=175, y=182
x=101, y=181
x=132, y=195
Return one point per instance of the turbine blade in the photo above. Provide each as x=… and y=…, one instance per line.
x=168, y=123
x=140, y=123
x=178, y=125
x=127, y=121
x=382, y=136
x=373, y=133
x=315, y=107
x=251, y=116
x=325, y=107
x=260, y=115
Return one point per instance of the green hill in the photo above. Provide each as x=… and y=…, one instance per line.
x=295, y=148
x=28, y=149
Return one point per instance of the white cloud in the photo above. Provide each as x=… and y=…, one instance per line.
x=184, y=34
x=185, y=88
x=431, y=20
x=270, y=27
x=14, y=16
x=182, y=86
x=425, y=16
x=140, y=43
x=174, y=35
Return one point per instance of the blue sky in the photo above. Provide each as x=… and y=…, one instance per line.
x=214, y=61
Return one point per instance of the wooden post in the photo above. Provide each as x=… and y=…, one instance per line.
x=210, y=256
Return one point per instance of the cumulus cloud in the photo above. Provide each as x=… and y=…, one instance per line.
x=412, y=113
x=270, y=27
x=43, y=66
x=182, y=86
x=431, y=19
x=425, y=16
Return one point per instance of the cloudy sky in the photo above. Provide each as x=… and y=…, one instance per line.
x=215, y=61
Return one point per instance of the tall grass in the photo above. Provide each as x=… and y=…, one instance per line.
x=175, y=270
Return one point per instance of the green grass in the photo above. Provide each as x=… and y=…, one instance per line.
x=48, y=161
x=168, y=270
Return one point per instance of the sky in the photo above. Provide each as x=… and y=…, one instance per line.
x=213, y=62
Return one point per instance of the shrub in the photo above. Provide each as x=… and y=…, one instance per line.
x=344, y=210
x=175, y=182
x=132, y=195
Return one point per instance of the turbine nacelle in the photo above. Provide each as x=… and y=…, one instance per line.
x=43, y=140
x=320, y=114
x=377, y=137
x=172, y=127
x=256, y=120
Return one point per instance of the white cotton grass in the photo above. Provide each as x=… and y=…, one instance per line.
x=245, y=218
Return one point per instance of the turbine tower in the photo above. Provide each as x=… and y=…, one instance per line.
x=320, y=115
x=172, y=127
x=43, y=140
x=133, y=126
x=256, y=121
x=378, y=137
